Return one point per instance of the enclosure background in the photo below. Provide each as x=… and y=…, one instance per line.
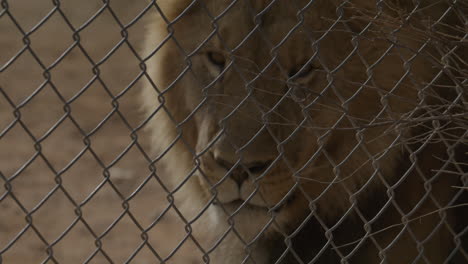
x=33, y=182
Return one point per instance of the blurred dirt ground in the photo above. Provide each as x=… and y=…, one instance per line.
x=55, y=203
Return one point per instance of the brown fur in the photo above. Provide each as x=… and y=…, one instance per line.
x=358, y=145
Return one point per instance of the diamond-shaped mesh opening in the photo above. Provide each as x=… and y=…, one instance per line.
x=81, y=175
x=26, y=178
x=205, y=131
x=45, y=104
x=76, y=245
x=24, y=65
x=87, y=9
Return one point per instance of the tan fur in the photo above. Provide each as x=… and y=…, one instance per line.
x=326, y=161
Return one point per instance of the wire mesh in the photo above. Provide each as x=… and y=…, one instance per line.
x=233, y=131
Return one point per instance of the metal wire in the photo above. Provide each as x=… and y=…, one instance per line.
x=87, y=177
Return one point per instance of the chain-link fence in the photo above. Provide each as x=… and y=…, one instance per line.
x=233, y=131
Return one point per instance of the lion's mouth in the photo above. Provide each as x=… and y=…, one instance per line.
x=240, y=204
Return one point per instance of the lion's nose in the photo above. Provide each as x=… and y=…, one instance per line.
x=239, y=174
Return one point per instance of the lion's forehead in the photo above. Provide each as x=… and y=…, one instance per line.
x=260, y=42
x=262, y=28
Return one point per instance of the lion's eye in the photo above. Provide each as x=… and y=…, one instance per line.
x=301, y=71
x=217, y=59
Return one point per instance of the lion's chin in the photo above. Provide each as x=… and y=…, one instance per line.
x=239, y=214
x=239, y=204
x=250, y=220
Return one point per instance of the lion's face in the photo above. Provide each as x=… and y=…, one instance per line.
x=279, y=114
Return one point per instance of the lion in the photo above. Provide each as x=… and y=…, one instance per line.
x=305, y=131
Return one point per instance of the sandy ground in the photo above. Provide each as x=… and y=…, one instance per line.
x=60, y=136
